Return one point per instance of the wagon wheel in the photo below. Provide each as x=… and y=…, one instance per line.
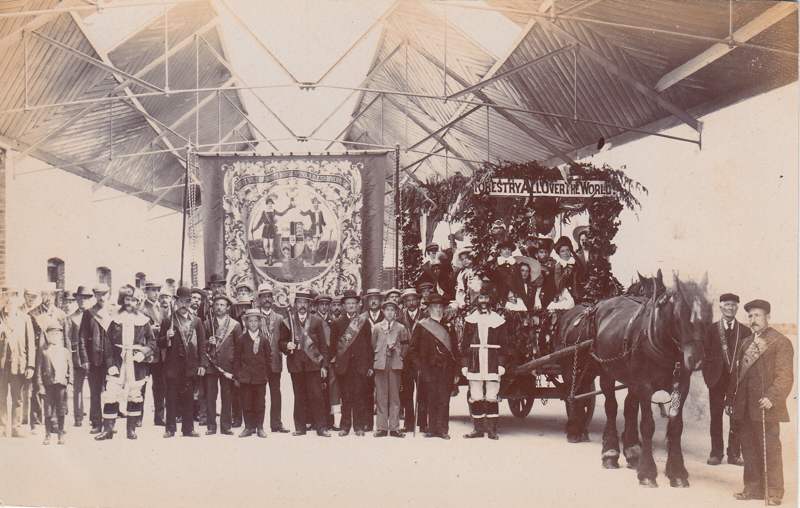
x=521, y=407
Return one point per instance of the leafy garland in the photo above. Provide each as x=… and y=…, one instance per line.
x=522, y=217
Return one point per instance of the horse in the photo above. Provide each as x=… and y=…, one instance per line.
x=649, y=345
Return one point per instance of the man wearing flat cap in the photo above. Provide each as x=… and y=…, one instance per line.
x=722, y=343
x=94, y=327
x=757, y=395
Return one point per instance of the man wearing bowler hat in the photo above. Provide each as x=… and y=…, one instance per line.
x=80, y=358
x=94, y=327
x=351, y=337
x=722, y=342
x=221, y=330
x=307, y=363
x=757, y=400
x=183, y=337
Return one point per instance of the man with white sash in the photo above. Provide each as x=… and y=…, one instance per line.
x=221, y=329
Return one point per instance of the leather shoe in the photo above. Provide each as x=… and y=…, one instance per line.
x=359, y=433
x=210, y=431
x=736, y=461
x=260, y=433
x=746, y=496
x=299, y=433
x=713, y=460
x=226, y=432
x=246, y=433
x=96, y=430
x=429, y=434
x=396, y=433
x=132, y=434
x=323, y=433
x=343, y=433
x=191, y=434
x=380, y=433
x=169, y=433
x=281, y=429
x=773, y=501
x=444, y=436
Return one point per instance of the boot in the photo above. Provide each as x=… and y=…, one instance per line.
x=46, y=439
x=132, y=424
x=492, y=428
x=108, y=430
x=61, y=438
x=477, y=429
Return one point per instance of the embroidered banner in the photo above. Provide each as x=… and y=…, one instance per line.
x=314, y=221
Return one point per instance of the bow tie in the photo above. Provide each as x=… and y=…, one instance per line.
x=506, y=261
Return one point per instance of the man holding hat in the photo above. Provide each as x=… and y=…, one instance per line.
x=351, y=337
x=275, y=328
x=722, y=343
x=757, y=395
x=156, y=312
x=94, y=326
x=130, y=343
x=221, y=330
x=434, y=353
x=183, y=337
x=307, y=363
x=17, y=363
x=410, y=316
x=483, y=364
x=390, y=341
x=251, y=366
x=80, y=359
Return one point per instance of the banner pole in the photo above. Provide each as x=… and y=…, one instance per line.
x=185, y=200
x=398, y=216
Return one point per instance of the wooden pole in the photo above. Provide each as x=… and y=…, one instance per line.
x=532, y=365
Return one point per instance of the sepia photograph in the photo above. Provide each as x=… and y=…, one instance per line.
x=432, y=253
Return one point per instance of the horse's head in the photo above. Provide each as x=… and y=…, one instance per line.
x=692, y=314
x=647, y=286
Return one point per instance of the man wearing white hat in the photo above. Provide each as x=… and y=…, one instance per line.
x=94, y=326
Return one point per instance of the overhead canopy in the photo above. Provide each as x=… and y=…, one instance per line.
x=453, y=83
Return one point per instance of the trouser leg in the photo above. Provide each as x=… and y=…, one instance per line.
x=245, y=398
x=407, y=398
x=361, y=402
x=393, y=393
x=226, y=389
x=171, y=396
x=96, y=378
x=212, y=389
x=77, y=394
x=61, y=408
x=26, y=402
x=49, y=410
x=753, y=473
x=274, y=381
x=36, y=415
x=186, y=401
x=381, y=381
x=369, y=401
x=300, y=402
x=5, y=381
x=17, y=388
x=200, y=400
x=734, y=444
x=237, y=412
x=346, y=420
x=259, y=406
x=316, y=408
x=423, y=418
x=159, y=390
x=716, y=404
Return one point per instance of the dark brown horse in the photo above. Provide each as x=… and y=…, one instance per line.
x=649, y=345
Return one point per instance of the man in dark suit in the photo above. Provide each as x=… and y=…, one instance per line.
x=251, y=365
x=351, y=343
x=94, y=326
x=183, y=337
x=221, y=330
x=410, y=315
x=275, y=327
x=723, y=340
x=757, y=400
x=307, y=363
x=153, y=309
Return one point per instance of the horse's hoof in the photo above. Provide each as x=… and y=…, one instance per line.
x=610, y=463
x=648, y=482
x=681, y=483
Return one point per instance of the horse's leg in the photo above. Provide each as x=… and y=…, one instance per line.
x=631, y=446
x=610, y=454
x=646, y=471
x=574, y=420
x=676, y=470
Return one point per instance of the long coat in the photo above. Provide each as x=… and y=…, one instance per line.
x=766, y=374
x=483, y=353
x=183, y=353
x=220, y=339
x=77, y=345
x=94, y=326
x=276, y=328
x=715, y=360
x=428, y=353
x=358, y=355
x=312, y=349
x=17, y=344
x=156, y=314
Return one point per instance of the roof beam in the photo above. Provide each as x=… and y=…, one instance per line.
x=352, y=122
x=754, y=27
x=502, y=112
x=615, y=69
x=38, y=21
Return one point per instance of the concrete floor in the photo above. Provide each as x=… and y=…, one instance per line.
x=532, y=464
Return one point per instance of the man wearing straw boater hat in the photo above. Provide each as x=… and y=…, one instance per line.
x=757, y=400
x=307, y=363
x=80, y=358
x=721, y=346
x=221, y=330
x=251, y=367
x=276, y=328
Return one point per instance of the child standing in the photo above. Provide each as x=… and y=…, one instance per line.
x=390, y=340
x=53, y=375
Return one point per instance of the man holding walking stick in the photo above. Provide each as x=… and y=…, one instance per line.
x=757, y=402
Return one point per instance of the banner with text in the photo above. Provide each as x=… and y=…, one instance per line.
x=528, y=187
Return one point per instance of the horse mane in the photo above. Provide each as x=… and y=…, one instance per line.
x=645, y=287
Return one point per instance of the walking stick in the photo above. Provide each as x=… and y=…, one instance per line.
x=764, y=453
